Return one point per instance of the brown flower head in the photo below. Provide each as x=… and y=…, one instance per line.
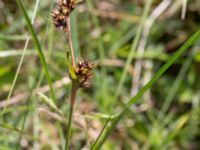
x=83, y=71
x=62, y=12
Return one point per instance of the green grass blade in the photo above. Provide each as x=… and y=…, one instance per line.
x=101, y=52
x=50, y=103
x=9, y=127
x=13, y=37
x=98, y=138
x=21, y=61
x=74, y=33
x=115, y=47
x=28, y=103
x=133, y=48
x=37, y=44
x=107, y=130
x=175, y=87
x=170, y=61
x=127, y=64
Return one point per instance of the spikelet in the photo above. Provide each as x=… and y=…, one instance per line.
x=62, y=12
x=83, y=71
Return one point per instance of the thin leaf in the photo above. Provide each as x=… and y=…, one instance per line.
x=98, y=138
x=70, y=67
x=170, y=61
x=100, y=116
x=49, y=102
x=9, y=127
x=133, y=48
x=74, y=33
x=37, y=44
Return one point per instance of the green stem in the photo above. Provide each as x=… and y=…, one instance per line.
x=68, y=32
x=72, y=101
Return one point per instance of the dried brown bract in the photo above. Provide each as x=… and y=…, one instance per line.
x=83, y=72
x=62, y=12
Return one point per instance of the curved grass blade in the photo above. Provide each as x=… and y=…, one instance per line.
x=37, y=44
x=170, y=61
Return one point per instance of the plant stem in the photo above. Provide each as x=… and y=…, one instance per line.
x=74, y=85
x=72, y=101
x=67, y=30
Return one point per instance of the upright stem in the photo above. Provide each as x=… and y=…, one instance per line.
x=67, y=30
x=74, y=85
x=72, y=101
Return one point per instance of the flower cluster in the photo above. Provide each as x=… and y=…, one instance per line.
x=62, y=12
x=83, y=71
x=60, y=17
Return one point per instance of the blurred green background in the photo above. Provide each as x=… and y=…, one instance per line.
x=107, y=33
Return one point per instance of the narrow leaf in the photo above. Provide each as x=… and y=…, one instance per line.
x=170, y=61
x=37, y=45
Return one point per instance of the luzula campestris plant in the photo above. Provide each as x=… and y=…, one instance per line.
x=81, y=72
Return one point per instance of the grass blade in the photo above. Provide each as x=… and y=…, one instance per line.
x=9, y=127
x=37, y=44
x=98, y=138
x=74, y=33
x=170, y=61
x=50, y=103
x=26, y=114
x=24, y=52
x=133, y=48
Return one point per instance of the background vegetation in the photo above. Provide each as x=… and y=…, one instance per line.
x=112, y=34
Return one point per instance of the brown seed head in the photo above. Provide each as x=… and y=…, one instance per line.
x=83, y=71
x=62, y=12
